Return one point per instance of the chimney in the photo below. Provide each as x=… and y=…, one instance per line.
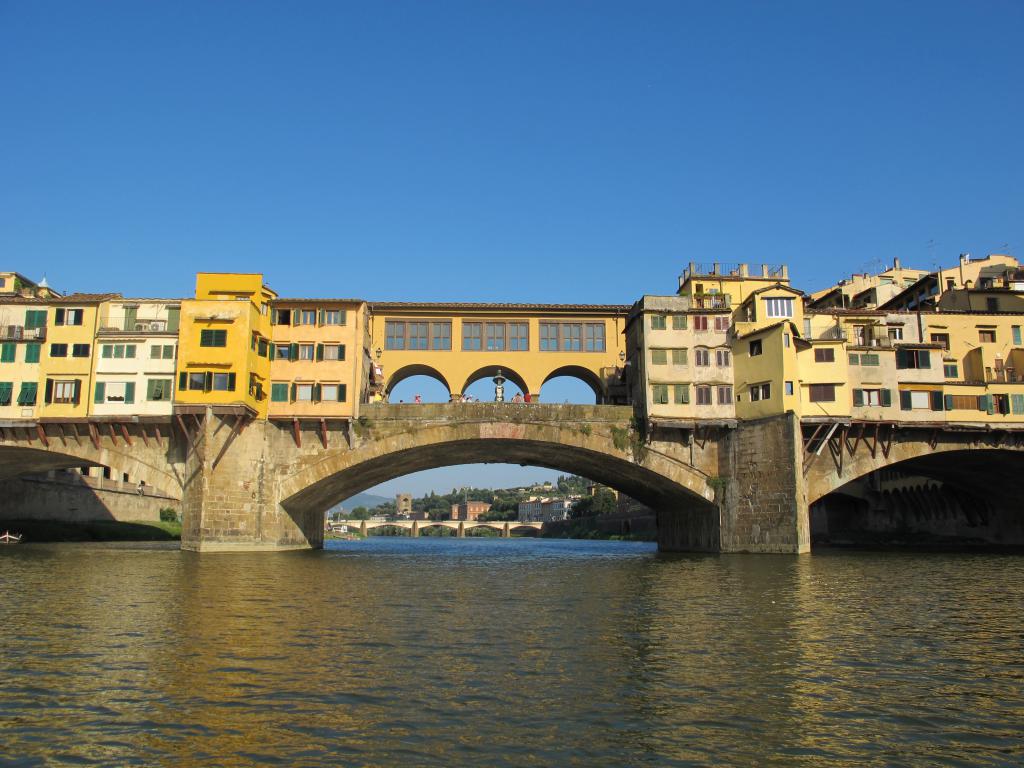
x=896, y=263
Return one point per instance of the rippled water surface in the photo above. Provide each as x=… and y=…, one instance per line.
x=508, y=652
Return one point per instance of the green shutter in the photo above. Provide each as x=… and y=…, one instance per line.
x=924, y=359
x=32, y=353
x=317, y=393
x=901, y=359
x=29, y=391
x=77, y=398
x=129, y=351
x=319, y=351
x=7, y=353
x=292, y=394
x=231, y=382
x=319, y=317
x=182, y=381
x=279, y=393
x=151, y=388
x=858, y=397
x=1016, y=335
x=131, y=314
x=985, y=403
x=1017, y=403
x=905, y=402
x=173, y=318
x=6, y=390
x=886, y=398
x=101, y=390
x=293, y=352
x=948, y=402
x=272, y=352
x=679, y=322
x=342, y=392
x=129, y=393
x=58, y=318
x=936, y=398
x=48, y=392
x=208, y=381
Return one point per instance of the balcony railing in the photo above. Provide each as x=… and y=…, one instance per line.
x=21, y=333
x=835, y=333
x=136, y=326
x=711, y=301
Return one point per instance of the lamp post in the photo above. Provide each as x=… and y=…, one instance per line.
x=499, y=387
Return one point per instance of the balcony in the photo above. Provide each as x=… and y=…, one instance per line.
x=835, y=333
x=711, y=301
x=134, y=325
x=21, y=333
x=735, y=269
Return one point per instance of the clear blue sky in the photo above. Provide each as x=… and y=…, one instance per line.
x=519, y=151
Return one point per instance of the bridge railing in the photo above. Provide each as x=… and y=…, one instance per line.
x=497, y=411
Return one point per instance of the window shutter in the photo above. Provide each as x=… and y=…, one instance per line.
x=342, y=392
x=936, y=401
x=1016, y=335
x=1004, y=404
x=320, y=317
x=948, y=402
x=296, y=316
x=292, y=397
x=901, y=358
x=150, y=388
x=985, y=403
x=319, y=350
x=173, y=318
x=58, y=319
x=341, y=351
x=924, y=359
x=293, y=352
x=905, y=403
x=272, y=351
x=316, y=393
x=129, y=393
x=886, y=398
x=231, y=382
x=858, y=397
x=1017, y=402
x=101, y=391
x=78, y=392
x=273, y=317
x=48, y=392
x=208, y=381
x=182, y=381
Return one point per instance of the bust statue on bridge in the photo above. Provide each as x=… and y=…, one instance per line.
x=499, y=387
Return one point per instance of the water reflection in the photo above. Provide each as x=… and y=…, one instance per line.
x=498, y=652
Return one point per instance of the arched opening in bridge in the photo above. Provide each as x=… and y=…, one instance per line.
x=411, y=381
x=953, y=497
x=572, y=384
x=480, y=384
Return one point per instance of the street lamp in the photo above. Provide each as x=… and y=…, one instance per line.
x=379, y=352
x=622, y=356
x=499, y=387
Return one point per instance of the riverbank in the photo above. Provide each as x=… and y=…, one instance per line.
x=92, y=530
x=604, y=527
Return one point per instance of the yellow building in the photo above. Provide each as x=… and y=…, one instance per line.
x=224, y=343
x=459, y=344
x=23, y=326
x=319, y=358
x=67, y=359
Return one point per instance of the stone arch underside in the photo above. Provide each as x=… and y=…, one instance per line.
x=18, y=460
x=408, y=371
x=661, y=483
x=587, y=376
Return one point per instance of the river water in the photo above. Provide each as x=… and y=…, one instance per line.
x=440, y=651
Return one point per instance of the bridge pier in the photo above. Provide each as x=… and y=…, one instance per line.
x=506, y=531
x=414, y=531
x=461, y=533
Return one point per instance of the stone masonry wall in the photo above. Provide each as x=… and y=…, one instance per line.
x=41, y=499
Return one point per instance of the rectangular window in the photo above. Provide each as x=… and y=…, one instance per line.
x=660, y=394
x=158, y=390
x=472, y=336
x=305, y=351
x=64, y=391
x=549, y=337
x=896, y=333
x=304, y=393
x=441, y=335
x=681, y=394
x=197, y=381
x=788, y=388
x=678, y=322
x=334, y=352
x=658, y=323
x=329, y=393
x=779, y=307
x=571, y=336
x=417, y=335
x=32, y=353
x=68, y=316
x=725, y=395
x=595, y=337
x=283, y=351
x=209, y=337
x=80, y=350
x=871, y=360
x=987, y=336
x=854, y=359
x=701, y=357
x=722, y=358
x=658, y=357
x=679, y=357
x=307, y=317
x=700, y=322
x=35, y=318
x=721, y=322
x=703, y=395
x=950, y=370
x=7, y=352
x=518, y=337
x=920, y=400
x=755, y=348
x=941, y=338
x=279, y=392
x=281, y=317
x=223, y=382
x=394, y=334
x=495, y=337
x=1015, y=330
x=785, y=340
x=913, y=358
x=823, y=393
x=824, y=355
x=334, y=317
x=58, y=350
x=760, y=392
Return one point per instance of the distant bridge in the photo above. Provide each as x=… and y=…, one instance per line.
x=504, y=527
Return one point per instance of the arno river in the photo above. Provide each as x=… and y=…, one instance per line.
x=508, y=652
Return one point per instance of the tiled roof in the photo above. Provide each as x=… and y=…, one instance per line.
x=456, y=305
x=85, y=298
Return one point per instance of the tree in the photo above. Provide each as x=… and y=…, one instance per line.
x=360, y=513
x=601, y=503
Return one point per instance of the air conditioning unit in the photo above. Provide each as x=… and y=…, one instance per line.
x=158, y=325
x=142, y=326
x=14, y=331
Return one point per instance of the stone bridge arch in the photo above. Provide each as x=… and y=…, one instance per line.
x=589, y=441
x=585, y=375
x=418, y=369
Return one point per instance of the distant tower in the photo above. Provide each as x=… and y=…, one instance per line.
x=403, y=504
